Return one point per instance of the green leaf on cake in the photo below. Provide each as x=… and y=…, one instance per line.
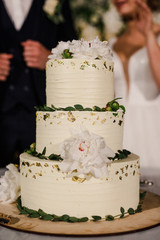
x=29, y=211
x=73, y=219
x=78, y=107
x=123, y=108
x=48, y=217
x=47, y=108
x=69, y=109
x=44, y=151
x=67, y=54
x=65, y=217
x=88, y=109
x=96, y=108
x=139, y=209
x=53, y=107
x=83, y=219
x=109, y=218
x=142, y=196
x=41, y=212
x=96, y=218
x=121, y=154
x=122, y=210
x=34, y=215
x=131, y=211
x=55, y=157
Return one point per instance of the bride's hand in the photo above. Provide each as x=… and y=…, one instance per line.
x=143, y=18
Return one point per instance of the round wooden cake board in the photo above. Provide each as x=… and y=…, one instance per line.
x=149, y=217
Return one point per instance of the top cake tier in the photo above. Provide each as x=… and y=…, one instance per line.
x=87, y=82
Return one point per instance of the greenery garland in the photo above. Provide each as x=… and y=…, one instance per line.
x=121, y=154
x=66, y=218
x=110, y=106
x=32, y=151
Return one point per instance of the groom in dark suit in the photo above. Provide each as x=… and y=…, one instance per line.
x=23, y=54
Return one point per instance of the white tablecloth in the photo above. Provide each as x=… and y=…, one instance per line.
x=149, y=234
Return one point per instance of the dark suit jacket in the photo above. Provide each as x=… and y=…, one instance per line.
x=26, y=86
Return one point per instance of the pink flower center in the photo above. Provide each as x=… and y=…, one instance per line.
x=83, y=146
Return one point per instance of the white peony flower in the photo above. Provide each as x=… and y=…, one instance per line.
x=84, y=49
x=57, y=52
x=86, y=152
x=10, y=185
x=50, y=6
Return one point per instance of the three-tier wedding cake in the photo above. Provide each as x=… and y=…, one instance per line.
x=78, y=166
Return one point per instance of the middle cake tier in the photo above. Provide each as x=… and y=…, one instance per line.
x=52, y=128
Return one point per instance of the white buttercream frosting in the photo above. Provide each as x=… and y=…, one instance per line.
x=84, y=49
x=45, y=186
x=52, y=128
x=10, y=185
x=79, y=81
x=85, y=152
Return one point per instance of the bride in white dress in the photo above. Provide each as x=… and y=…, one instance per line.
x=137, y=80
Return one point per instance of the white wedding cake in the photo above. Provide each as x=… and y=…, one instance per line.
x=79, y=167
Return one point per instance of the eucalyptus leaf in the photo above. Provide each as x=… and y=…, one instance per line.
x=69, y=109
x=84, y=219
x=48, y=217
x=44, y=151
x=65, y=217
x=41, y=212
x=88, y=109
x=131, y=211
x=73, y=219
x=96, y=108
x=109, y=218
x=29, y=211
x=142, y=196
x=123, y=108
x=34, y=215
x=78, y=107
x=96, y=218
x=122, y=210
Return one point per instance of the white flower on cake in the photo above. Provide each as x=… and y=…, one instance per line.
x=94, y=49
x=87, y=153
x=10, y=185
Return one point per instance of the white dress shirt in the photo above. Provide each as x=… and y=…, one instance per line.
x=18, y=11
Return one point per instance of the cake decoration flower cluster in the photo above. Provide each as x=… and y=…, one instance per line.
x=85, y=152
x=94, y=49
x=10, y=185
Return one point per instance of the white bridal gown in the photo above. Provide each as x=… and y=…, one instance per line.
x=142, y=118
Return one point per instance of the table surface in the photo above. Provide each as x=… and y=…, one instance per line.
x=148, y=234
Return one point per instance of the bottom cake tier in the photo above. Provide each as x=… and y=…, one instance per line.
x=44, y=186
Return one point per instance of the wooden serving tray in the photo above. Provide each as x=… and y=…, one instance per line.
x=149, y=217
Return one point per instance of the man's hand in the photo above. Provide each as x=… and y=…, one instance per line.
x=35, y=54
x=5, y=66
